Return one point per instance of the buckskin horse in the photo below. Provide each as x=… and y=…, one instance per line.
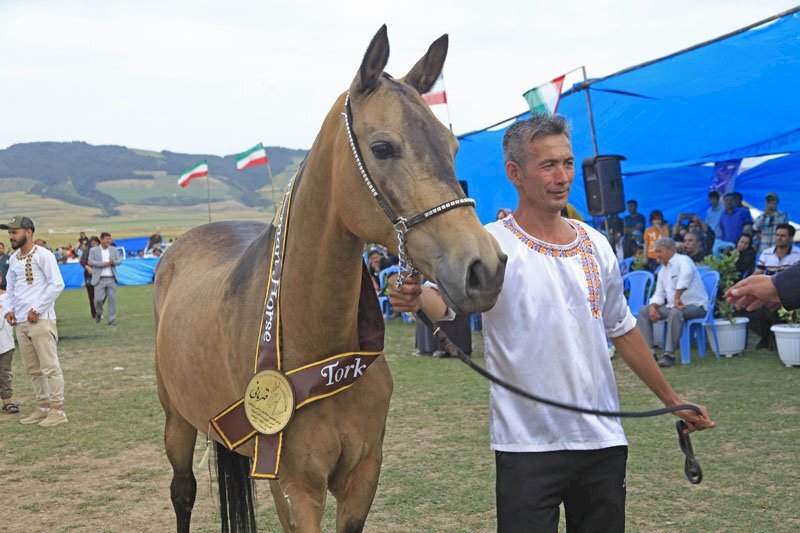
x=209, y=305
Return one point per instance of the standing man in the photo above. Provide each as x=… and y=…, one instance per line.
x=634, y=220
x=714, y=213
x=767, y=222
x=561, y=296
x=104, y=260
x=34, y=283
x=3, y=266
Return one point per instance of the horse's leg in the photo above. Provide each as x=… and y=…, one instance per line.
x=354, y=496
x=179, y=441
x=299, y=505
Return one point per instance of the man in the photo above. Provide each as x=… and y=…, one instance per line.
x=547, y=333
x=768, y=291
x=713, y=213
x=3, y=266
x=34, y=283
x=781, y=256
x=83, y=240
x=767, y=222
x=693, y=247
x=772, y=261
x=633, y=221
x=104, y=260
x=154, y=241
x=679, y=296
x=732, y=222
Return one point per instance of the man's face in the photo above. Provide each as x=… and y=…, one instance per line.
x=663, y=255
x=691, y=244
x=632, y=208
x=105, y=241
x=771, y=205
x=693, y=226
x=375, y=262
x=19, y=237
x=782, y=238
x=729, y=202
x=714, y=201
x=544, y=181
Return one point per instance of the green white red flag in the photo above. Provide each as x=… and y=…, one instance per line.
x=437, y=94
x=544, y=98
x=254, y=156
x=197, y=171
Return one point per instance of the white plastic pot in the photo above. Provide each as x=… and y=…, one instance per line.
x=787, y=337
x=732, y=336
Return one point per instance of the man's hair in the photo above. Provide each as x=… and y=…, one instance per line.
x=634, y=202
x=105, y=234
x=713, y=194
x=727, y=194
x=655, y=213
x=520, y=134
x=665, y=242
x=787, y=227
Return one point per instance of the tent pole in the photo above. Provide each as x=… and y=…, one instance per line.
x=591, y=115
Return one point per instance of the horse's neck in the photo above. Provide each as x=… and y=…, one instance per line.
x=321, y=276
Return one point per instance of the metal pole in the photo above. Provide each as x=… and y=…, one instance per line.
x=208, y=190
x=591, y=115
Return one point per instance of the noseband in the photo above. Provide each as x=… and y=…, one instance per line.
x=402, y=225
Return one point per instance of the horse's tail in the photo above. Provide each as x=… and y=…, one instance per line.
x=236, y=507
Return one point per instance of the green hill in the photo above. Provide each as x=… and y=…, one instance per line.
x=108, y=177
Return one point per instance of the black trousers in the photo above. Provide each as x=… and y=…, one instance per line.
x=591, y=484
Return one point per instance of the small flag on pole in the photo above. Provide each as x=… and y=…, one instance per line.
x=254, y=156
x=437, y=94
x=544, y=98
x=197, y=171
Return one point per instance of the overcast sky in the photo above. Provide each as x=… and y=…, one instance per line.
x=220, y=76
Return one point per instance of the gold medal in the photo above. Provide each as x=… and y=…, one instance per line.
x=269, y=402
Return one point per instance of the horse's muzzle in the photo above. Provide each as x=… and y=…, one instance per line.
x=475, y=286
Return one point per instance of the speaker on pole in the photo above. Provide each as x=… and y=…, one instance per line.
x=602, y=179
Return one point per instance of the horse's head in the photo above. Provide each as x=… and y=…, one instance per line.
x=409, y=155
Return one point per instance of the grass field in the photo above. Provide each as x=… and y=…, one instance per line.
x=106, y=470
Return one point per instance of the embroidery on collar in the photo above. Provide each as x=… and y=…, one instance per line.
x=582, y=247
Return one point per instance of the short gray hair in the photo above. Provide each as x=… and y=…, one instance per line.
x=665, y=242
x=520, y=134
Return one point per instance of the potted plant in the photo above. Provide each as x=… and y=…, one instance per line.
x=731, y=330
x=787, y=337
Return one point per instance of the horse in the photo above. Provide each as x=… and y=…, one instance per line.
x=209, y=298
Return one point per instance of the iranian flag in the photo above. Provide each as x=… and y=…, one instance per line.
x=544, y=98
x=254, y=156
x=197, y=171
x=437, y=94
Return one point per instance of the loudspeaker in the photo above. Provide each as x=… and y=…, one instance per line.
x=602, y=179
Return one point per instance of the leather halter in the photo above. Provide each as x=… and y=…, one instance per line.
x=402, y=225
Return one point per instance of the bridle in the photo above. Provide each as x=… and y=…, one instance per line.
x=401, y=224
x=406, y=268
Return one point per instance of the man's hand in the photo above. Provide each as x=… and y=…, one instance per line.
x=694, y=421
x=678, y=303
x=33, y=316
x=408, y=298
x=653, y=313
x=754, y=292
x=11, y=319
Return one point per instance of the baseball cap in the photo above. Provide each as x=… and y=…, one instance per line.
x=18, y=222
x=772, y=195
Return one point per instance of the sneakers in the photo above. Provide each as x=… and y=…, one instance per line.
x=54, y=418
x=97, y=319
x=667, y=360
x=35, y=417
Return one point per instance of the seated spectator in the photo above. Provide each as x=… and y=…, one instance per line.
x=656, y=230
x=746, y=262
x=679, y=296
x=374, y=267
x=781, y=256
x=140, y=254
x=767, y=222
x=633, y=221
x=732, y=224
x=157, y=252
x=694, y=247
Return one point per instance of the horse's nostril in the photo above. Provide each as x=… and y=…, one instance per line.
x=475, y=275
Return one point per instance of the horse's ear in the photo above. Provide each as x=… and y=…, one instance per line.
x=424, y=74
x=372, y=66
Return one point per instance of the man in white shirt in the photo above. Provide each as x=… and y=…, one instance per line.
x=104, y=260
x=34, y=284
x=679, y=296
x=562, y=295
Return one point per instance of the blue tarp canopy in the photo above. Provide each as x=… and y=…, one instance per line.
x=731, y=98
x=134, y=271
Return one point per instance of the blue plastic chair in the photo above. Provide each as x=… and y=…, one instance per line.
x=386, y=307
x=658, y=269
x=695, y=326
x=702, y=269
x=640, y=285
x=626, y=264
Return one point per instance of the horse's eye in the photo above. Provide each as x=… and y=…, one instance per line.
x=382, y=150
